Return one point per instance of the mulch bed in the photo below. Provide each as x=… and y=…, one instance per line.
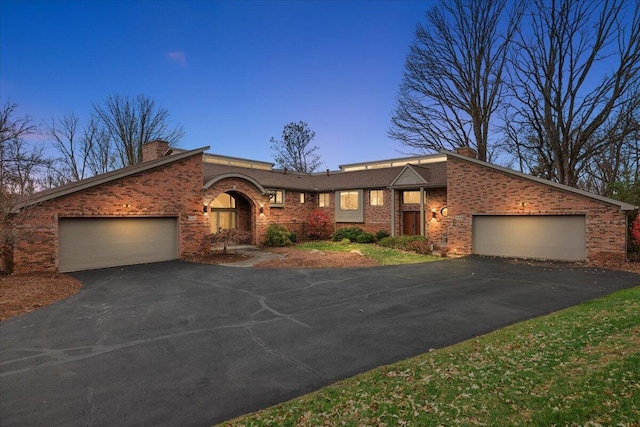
x=21, y=294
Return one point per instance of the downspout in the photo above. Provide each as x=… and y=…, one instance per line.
x=393, y=212
x=422, y=211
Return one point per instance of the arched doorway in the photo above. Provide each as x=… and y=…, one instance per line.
x=230, y=210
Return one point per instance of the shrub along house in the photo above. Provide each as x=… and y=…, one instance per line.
x=165, y=207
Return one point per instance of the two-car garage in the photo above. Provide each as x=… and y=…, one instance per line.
x=86, y=243
x=559, y=237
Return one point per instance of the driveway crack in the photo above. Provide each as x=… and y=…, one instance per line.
x=296, y=362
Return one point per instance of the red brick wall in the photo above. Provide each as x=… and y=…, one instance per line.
x=475, y=189
x=170, y=190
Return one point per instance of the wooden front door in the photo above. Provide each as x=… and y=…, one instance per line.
x=411, y=223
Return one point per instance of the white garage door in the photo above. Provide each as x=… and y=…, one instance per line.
x=86, y=243
x=558, y=237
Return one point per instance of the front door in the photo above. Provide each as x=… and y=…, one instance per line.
x=411, y=223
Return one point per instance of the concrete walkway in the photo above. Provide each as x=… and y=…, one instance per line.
x=255, y=255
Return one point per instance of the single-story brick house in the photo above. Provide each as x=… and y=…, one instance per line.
x=165, y=207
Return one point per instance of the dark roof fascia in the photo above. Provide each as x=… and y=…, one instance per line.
x=622, y=205
x=107, y=177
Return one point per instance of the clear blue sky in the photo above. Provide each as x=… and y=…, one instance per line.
x=233, y=73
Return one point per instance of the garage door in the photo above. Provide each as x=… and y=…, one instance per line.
x=560, y=237
x=86, y=243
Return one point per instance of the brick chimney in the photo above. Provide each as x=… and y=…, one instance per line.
x=467, y=151
x=154, y=150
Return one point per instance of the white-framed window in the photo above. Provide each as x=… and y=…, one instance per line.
x=277, y=198
x=324, y=200
x=376, y=197
x=349, y=201
x=301, y=197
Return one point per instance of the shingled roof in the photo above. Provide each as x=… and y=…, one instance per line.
x=435, y=174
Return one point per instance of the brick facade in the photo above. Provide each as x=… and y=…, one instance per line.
x=172, y=190
x=495, y=192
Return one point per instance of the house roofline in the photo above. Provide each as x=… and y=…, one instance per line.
x=623, y=206
x=105, y=178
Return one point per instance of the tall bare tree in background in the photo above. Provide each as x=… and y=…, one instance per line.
x=21, y=163
x=131, y=123
x=575, y=79
x=293, y=151
x=453, y=80
x=82, y=151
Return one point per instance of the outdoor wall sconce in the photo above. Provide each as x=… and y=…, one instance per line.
x=523, y=204
x=433, y=214
x=126, y=205
x=205, y=209
x=444, y=211
x=261, y=210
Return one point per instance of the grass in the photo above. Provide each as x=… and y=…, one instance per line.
x=576, y=367
x=385, y=256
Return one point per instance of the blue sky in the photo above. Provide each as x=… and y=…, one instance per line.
x=233, y=73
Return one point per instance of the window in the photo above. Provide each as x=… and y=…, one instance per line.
x=222, y=213
x=349, y=201
x=277, y=198
x=223, y=201
x=376, y=197
x=301, y=197
x=349, y=206
x=411, y=197
x=324, y=200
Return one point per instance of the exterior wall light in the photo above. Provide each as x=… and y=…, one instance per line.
x=261, y=210
x=205, y=209
x=444, y=211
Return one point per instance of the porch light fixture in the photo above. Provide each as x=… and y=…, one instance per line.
x=261, y=210
x=433, y=214
x=205, y=209
x=444, y=211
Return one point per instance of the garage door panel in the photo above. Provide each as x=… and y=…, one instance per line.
x=560, y=237
x=85, y=243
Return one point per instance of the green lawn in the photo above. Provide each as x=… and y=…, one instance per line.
x=385, y=256
x=577, y=367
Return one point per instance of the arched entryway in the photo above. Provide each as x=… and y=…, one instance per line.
x=230, y=210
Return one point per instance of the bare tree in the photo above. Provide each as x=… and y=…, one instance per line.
x=575, y=70
x=293, y=151
x=453, y=80
x=20, y=166
x=133, y=122
x=83, y=151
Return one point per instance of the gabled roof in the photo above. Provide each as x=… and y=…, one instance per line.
x=623, y=206
x=104, y=178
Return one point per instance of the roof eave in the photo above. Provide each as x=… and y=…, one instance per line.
x=109, y=177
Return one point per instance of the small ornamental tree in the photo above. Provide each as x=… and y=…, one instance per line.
x=318, y=221
x=230, y=236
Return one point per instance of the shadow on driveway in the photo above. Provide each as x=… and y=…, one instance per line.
x=182, y=344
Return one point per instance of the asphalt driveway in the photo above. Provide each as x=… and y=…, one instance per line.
x=184, y=344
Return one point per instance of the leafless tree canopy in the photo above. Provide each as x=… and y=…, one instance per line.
x=453, y=80
x=131, y=123
x=293, y=151
x=82, y=151
x=575, y=86
x=20, y=162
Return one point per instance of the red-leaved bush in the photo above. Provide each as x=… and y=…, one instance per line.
x=635, y=230
x=318, y=221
